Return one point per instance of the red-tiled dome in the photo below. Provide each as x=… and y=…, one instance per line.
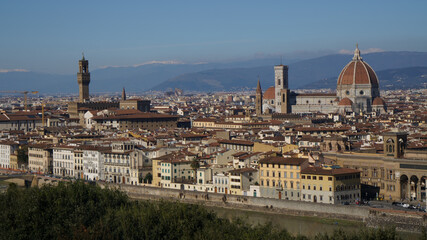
x=358, y=72
x=378, y=102
x=269, y=94
x=345, y=102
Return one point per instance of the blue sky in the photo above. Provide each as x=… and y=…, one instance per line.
x=49, y=36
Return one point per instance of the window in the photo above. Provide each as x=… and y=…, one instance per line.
x=320, y=178
x=314, y=178
x=329, y=178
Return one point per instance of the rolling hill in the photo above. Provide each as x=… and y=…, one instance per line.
x=219, y=76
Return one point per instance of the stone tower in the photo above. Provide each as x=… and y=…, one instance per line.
x=258, y=100
x=281, y=89
x=123, y=94
x=83, y=79
x=395, y=144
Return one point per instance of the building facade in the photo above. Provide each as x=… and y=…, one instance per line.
x=280, y=177
x=330, y=185
x=63, y=161
x=40, y=158
x=6, y=150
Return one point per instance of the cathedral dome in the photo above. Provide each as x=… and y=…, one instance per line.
x=345, y=102
x=269, y=93
x=378, y=102
x=357, y=72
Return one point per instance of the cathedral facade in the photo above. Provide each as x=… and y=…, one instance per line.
x=357, y=91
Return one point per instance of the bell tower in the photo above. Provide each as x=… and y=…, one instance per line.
x=83, y=79
x=258, y=100
x=395, y=144
x=281, y=89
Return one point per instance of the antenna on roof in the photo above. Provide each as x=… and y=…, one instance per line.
x=281, y=58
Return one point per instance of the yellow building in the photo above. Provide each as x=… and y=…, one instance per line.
x=330, y=185
x=157, y=169
x=14, y=160
x=280, y=177
x=40, y=158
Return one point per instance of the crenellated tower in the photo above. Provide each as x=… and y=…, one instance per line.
x=83, y=79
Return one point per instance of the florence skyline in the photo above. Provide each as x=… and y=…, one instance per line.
x=50, y=36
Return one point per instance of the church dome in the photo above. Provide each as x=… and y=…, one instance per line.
x=269, y=93
x=345, y=102
x=378, y=102
x=357, y=72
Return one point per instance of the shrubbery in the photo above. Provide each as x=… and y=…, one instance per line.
x=82, y=211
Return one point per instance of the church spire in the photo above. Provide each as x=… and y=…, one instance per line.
x=258, y=87
x=357, y=53
x=123, y=94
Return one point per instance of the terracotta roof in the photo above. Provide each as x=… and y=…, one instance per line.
x=269, y=93
x=378, y=101
x=283, y=160
x=242, y=170
x=136, y=116
x=345, y=102
x=237, y=142
x=329, y=172
x=357, y=72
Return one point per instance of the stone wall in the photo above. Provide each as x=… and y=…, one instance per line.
x=248, y=203
x=402, y=220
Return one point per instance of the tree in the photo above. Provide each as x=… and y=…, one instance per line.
x=148, y=178
x=195, y=164
x=22, y=155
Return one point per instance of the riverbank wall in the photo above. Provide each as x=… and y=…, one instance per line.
x=372, y=217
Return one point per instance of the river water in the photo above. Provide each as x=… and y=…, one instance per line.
x=308, y=226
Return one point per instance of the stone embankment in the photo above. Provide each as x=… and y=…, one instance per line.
x=403, y=221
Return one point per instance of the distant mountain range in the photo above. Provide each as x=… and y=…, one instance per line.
x=301, y=74
x=401, y=69
x=401, y=78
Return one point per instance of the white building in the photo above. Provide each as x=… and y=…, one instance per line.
x=93, y=164
x=221, y=183
x=6, y=149
x=63, y=161
x=124, y=164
